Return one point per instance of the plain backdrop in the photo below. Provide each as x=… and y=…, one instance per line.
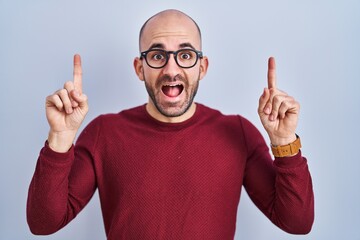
x=316, y=45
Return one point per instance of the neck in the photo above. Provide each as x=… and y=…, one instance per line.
x=152, y=110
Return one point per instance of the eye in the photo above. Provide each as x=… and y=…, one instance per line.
x=186, y=55
x=157, y=55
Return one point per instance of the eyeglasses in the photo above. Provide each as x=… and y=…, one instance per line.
x=158, y=58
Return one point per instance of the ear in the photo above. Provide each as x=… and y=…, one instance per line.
x=204, y=63
x=139, y=70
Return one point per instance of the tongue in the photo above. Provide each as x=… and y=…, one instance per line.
x=171, y=91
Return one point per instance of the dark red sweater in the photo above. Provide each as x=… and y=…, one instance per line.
x=169, y=181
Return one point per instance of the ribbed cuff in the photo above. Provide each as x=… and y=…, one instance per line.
x=290, y=162
x=48, y=153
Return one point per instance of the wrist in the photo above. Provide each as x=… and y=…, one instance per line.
x=287, y=150
x=278, y=141
x=60, y=142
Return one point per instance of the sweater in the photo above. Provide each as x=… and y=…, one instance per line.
x=161, y=180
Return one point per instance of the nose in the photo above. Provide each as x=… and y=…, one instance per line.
x=171, y=68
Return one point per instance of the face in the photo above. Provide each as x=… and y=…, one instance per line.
x=171, y=89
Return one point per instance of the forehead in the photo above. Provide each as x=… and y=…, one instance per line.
x=170, y=30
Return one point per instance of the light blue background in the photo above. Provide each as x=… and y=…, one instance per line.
x=317, y=48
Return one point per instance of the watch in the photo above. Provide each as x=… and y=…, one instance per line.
x=287, y=150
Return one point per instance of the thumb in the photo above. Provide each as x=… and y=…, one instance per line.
x=80, y=99
x=264, y=98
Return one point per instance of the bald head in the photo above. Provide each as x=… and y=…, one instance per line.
x=168, y=20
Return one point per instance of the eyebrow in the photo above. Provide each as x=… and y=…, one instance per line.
x=186, y=45
x=162, y=46
x=157, y=45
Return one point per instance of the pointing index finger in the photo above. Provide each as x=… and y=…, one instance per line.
x=271, y=73
x=77, y=73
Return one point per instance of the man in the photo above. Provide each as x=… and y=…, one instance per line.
x=172, y=168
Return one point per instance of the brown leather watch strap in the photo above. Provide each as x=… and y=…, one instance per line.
x=287, y=150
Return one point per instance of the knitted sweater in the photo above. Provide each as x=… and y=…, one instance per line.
x=169, y=180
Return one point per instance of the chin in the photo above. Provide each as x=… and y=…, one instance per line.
x=173, y=111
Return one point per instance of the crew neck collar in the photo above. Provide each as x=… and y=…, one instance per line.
x=166, y=126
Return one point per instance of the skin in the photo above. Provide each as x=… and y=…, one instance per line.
x=65, y=111
x=170, y=30
x=278, y=112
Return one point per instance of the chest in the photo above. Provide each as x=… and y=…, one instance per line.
x=156, y=163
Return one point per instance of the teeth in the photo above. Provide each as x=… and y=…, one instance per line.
x=172, y=85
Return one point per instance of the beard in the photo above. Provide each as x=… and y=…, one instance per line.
x=172, y=109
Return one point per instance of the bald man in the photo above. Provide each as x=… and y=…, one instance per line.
x=170, y=168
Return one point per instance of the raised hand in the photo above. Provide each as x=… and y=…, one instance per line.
x=278, y=111
x=65, y=111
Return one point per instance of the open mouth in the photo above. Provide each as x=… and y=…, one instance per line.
x=172, y=90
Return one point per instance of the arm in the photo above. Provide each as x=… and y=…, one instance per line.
x=285, y=195
x=52, y=203
x=281, y=189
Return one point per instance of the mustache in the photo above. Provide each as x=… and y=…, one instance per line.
x=168, y=78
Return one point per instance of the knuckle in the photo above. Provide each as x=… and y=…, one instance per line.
x=62, y=92
x=52, y=98
x=283, y=109
x=272, y=91
x=276, y=100
x=286, y=104
x=59, y=104
x=64, y=95
x=68, y=85
x=269, y=105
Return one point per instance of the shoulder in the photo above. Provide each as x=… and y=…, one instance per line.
x=233, y=124
x=111, y=120
x=212, y=114
x=108, y=124
x=134, y=112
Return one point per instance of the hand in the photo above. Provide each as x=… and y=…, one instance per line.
x=278, y=111
x=65, y=111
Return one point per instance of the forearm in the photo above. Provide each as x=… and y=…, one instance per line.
x=282, y=190
x=293, y=204
x=47, y=206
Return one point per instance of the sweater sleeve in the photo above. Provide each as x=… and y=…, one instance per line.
x=281, y=189
x=62, y=184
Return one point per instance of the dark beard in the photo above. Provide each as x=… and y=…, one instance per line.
x=187, y=103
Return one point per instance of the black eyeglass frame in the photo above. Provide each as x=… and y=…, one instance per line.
x=199, y=54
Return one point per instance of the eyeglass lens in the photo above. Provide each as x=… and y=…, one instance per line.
x=184, y=58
